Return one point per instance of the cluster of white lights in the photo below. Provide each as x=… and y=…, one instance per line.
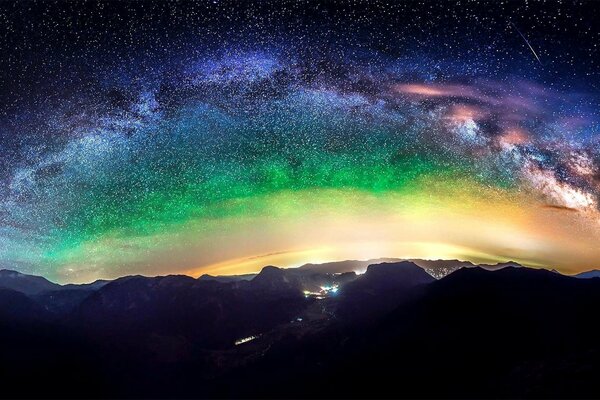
x=244, y=340
x=324, y=292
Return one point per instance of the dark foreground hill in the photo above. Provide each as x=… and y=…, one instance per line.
x=393, y=332
x=509, y=333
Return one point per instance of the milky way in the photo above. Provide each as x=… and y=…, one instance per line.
x=185, y=137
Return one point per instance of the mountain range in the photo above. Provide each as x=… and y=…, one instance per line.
x=314, y=331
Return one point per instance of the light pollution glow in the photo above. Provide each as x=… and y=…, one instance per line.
x=293, y=228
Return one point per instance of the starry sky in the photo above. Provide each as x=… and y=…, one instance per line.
x=158, y=137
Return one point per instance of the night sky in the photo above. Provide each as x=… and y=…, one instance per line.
x=190, y=137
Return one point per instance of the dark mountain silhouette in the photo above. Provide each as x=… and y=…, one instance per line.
x=16, y=307
x=211, y=314
x=272, y=278
x=436, y=268
x=49, y=295
x=62, y=301
x=515, y=332
x=595, y=273
x=297, y=280
x=380, y=288
x=28, y=284
x=394, y=331
x=385, y=277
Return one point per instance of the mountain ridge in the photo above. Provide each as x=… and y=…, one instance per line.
x=312, y=333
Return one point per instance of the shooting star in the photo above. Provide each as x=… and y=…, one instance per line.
x=528, y=44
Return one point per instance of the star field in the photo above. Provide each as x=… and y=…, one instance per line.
x=163, y=137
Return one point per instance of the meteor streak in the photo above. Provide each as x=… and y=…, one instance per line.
x=528, y=44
